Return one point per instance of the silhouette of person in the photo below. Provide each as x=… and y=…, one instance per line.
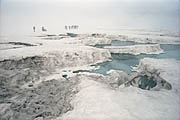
x=34, y=28
x=43, y=29
x=66, y=27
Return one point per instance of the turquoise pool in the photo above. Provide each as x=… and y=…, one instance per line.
x=125, y=61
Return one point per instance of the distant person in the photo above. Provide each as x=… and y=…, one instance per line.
x=34, y=28
x=43, y=29
x=66, y=27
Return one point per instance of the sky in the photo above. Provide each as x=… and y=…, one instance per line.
x=19, y=16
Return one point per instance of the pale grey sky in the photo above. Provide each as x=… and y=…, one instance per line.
x=21, y=15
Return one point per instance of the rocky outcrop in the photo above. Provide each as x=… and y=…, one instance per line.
x=136, y=49
x=25, y=96
x=76, y=58
x=66, y=58
x=148, y=80
x=155, y=72
x=26, y=92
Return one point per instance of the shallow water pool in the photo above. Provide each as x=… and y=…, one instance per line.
x=125, y=61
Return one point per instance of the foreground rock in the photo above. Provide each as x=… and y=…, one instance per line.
x=26, y=95
x=136, y=49
x=48, y=100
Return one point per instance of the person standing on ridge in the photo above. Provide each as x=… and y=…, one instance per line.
x=34, y=28
x=43, y=29
x=66, y=27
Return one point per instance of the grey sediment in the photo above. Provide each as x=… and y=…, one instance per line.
x=48, y=99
